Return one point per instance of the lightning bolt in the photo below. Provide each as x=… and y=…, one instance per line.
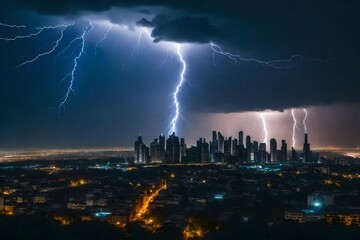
x=51, y=50
x=69, y=46
x=273, y=63
x=135, y=51
x=86, y=30
x=12, y=26
x=294, y=128
x=176, y=103
x=40, y=30
x=277, y=64
x=103, y=39
x=264, y=127
x=304, y=120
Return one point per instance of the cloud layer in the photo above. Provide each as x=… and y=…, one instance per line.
x=263, y=30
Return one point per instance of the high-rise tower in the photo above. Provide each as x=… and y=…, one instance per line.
x=273, y=148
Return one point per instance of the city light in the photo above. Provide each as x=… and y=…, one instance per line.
x=102, y=214
x=317, y=204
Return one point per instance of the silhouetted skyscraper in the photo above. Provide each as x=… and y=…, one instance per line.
x=202, y=150
x=294, y=155
x=248, y=148
x=212, y=151
x=140, y=151
x=283, y=150
x=221, y=142
x=306, y=150
x=162, y=141
x=205, y=155
x=248, y=142
x=214, y=136
x=227, y=147
x=182, y=149
x=157, y=150
x=273, y=148
x=235, y=147
x=241, y=138
x=256, y=150
x=153, y=151
x=262, y=153
x=162, y=147
x=172, y=149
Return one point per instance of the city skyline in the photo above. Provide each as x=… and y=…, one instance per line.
x=222, y=149
x=179, y=120
x=78, y=74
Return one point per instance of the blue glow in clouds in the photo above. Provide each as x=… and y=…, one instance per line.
x=176, y=104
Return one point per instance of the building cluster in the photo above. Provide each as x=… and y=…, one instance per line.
x=114, y=191
x=219, y=149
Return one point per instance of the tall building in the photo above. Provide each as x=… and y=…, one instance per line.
x=235, y=147
x=294, y=155
x=214, y=136
x=202, y=150
x=256, y=150
x=157, y=150
x=162, y=141
x=241, y=138
x=248, y=148
x=141, y=151
x=248, y=142
x=191, y=154
x=212, y=151
x=221, y=142
x=205, y=154
x=172, y=154
x=162, y=147
x=262, y=147
x=214, y=145
x=306, y=150
x=273, y=148
x=227, y=147
x=262, y=153
x=143, y=154
x=283, y=150
x=153, y=151
x=182, y=149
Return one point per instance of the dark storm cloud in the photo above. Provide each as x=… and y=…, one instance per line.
x=253, y=87
x=111, y=106
x=255, y=29
x=182, y=30
x=232, y=7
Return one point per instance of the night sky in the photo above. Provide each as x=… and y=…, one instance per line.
x=120, y=93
